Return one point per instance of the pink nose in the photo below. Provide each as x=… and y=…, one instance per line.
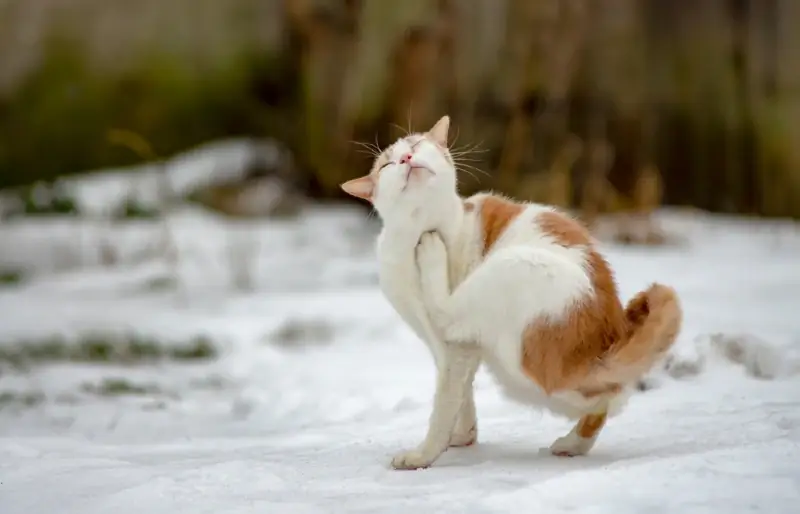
x=406, y=158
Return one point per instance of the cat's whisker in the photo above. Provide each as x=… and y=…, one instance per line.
x=462, y=155
x=461, y=170
x=455, y=140
x=463, y=167
x=368, y=147
x=369, y=153
x=467, y=149
x=468, y=152
x=472, y=172
x=401, y=129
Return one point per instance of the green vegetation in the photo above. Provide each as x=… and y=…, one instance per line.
x=105, y=349
x=688, y=95
x=11, y=277
x=120, y=387
x=11, y=399
x=60, y=116
x=299, y=332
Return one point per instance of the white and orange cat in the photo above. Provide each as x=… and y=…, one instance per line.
x=517, y=286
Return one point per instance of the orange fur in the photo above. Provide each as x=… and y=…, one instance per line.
x=654, y=319
x=598, y=346
x=496, y=214
x=590, y=424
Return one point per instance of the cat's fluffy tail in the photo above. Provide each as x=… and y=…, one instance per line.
x=654, y=319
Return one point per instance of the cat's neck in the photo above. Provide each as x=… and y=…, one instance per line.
x=449, y=224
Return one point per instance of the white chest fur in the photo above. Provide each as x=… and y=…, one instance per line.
x=399, y=282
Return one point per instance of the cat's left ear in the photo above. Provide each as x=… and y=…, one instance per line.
x=361, y=187
x=439, y=131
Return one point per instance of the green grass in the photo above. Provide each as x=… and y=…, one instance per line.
x=61, y=114
x=11, y=277
x=106, y=349
x=300, y=332
x=11, y=399
x=113, y=387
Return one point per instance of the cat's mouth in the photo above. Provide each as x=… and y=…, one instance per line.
x=412, y=167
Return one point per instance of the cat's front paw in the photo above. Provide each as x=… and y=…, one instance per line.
x=431, y=253
x=412, y=459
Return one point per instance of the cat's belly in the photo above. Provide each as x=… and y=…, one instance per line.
x=516, y=386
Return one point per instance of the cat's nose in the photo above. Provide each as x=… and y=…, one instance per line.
x=406, y=158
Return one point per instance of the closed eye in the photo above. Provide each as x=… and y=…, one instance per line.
x=384, y=165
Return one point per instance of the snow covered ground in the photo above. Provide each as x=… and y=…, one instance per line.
x=314, y=383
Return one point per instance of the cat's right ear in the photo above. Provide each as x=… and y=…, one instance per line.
x=439, y=131
x=361, y=187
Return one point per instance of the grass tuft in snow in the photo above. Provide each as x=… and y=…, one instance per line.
x=11, y=277
x=303, y=332
x=120, y=387
x=162, y=283
x=132, y=209
x=106, y=348
x=16, y=400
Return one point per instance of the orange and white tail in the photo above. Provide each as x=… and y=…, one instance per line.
x=654, y=319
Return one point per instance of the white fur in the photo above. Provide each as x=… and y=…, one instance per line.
x=464, y=307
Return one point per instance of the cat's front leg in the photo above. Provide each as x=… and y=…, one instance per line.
x=454, y=377
x=466, y=430
x=435, y=285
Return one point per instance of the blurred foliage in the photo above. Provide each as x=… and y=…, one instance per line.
x=120, y=387
x=134, y=209
x=106, y=348
x=11, y=277
x=58, y=121
x=705, y=97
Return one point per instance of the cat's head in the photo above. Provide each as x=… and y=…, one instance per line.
x=411, y=177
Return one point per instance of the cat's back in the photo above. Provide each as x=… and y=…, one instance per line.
x=505, y=223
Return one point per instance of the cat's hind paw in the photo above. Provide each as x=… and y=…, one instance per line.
x=571, y=445
x=413, y=459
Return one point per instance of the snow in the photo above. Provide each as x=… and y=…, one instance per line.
x=102, y=191
x=317, y=382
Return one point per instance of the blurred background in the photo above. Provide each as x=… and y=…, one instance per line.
x=178, y=264
x=608, y=104
x=170, y=170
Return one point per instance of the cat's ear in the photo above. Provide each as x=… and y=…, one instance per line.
x=361, y=187
x=439, y=131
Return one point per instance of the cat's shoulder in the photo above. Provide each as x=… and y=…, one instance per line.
x=497, y=213
x=489, y=204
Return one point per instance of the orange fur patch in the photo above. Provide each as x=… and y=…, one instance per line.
x=590, y=425
x=594, y=392
x=561, y=354
x=597, y=347
x=566, y=231
x=496, y=214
